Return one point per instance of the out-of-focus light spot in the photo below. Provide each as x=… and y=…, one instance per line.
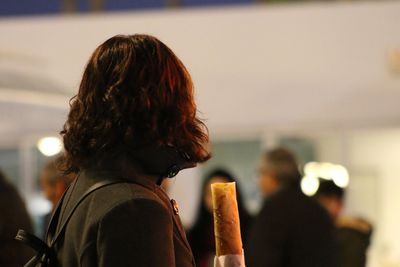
x=311, y=169
x=340, y=176
x=327, y=171
x=38, y=205
x=49, y=146
x=309, y=185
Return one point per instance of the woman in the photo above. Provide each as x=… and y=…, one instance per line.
x=134, y=122
x=201, y=235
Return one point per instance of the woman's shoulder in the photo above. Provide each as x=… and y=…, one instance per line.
x=126, y=194
x=121, y=211
x=134, y=197
x=116, y=188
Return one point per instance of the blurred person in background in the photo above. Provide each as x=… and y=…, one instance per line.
x=132, y=124
x=54, y=183
x=201, y=235
x=291, y=228
x=13, y=215
x=352, y=234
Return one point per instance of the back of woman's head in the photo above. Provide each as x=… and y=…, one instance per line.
x=134, y=92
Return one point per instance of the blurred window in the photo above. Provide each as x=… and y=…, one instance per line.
x=9, y=164
x=303, y=148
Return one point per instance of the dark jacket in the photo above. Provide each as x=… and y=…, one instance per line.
x=291, y=230
x=13, y=216
x=124, y=224
x=353, y=236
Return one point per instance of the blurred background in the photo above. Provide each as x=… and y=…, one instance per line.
x=319, y=77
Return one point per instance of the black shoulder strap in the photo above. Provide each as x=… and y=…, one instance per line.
x=51, y=228
x=56, y=215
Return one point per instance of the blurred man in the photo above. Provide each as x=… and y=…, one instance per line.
x=53, y=183
x=331, y=197
x=13, y=216
x=352, y=234
x=291, y=229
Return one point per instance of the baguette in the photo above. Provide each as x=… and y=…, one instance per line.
x=226, y=219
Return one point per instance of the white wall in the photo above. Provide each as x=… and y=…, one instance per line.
x=382, y=151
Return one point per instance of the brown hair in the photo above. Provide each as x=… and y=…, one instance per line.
x=134, y=92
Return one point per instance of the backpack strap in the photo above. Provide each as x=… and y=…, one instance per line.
x=44, y=253
x=56, y=215
x=51, y=229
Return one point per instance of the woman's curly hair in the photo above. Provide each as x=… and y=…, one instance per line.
x=134, y=92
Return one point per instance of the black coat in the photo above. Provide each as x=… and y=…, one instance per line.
x=353, y=242
x=122, y=224
x=291, y=230
x=13, y=216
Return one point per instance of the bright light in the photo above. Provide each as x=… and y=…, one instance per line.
x=327, y=171
x=320, y=170
x=311, y=169
x=39, y=206
x=340, y=176
x=49, y=146
x=309, y=185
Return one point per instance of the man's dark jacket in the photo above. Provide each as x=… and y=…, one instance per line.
x=291, y=230
x=124, y=224
x=353, y=241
